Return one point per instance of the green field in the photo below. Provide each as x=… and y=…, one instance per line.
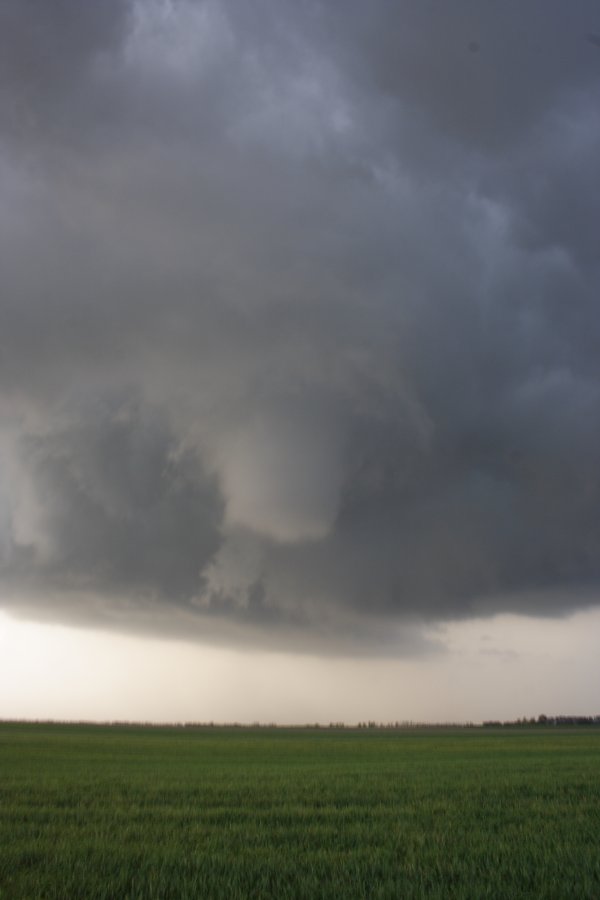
x=132, y=812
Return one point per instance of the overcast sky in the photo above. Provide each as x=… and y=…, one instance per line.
x=299, y=325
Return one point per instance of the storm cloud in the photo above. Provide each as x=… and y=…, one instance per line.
x=299, y=316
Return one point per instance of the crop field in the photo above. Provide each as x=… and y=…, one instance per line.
x=101, y=812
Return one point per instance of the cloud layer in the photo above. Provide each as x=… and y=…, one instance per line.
x=299, y=318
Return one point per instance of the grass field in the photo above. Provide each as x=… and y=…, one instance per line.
x=132, y=812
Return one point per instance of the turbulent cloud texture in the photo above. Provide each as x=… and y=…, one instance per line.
x=299, y=311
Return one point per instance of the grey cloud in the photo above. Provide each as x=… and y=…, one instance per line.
x=113, y=504
x=348, y=258
x=44, y=46
x=527, y=57
x=553, y=205
x=49, y=57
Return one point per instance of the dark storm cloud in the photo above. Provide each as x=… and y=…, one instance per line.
x=116, y=505
x=48, y=56
x=347, y=256
x=45, y=47
x=484, y=72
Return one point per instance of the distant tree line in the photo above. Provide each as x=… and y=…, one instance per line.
x=543, y=720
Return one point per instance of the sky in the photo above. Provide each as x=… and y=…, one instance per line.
x=299, y=368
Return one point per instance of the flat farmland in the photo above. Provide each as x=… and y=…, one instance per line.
x=111, y=812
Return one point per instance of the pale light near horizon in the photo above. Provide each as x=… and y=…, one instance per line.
x=505, y=667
